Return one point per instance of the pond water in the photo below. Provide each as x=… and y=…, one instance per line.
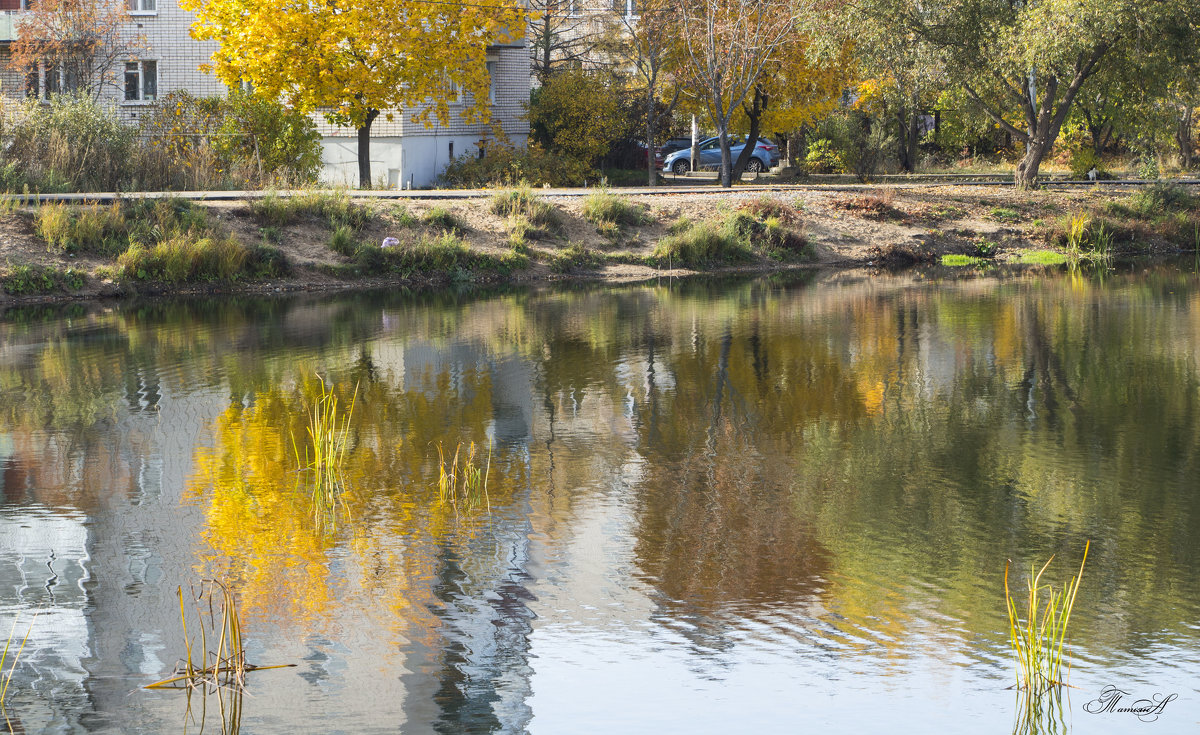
x=764, y=505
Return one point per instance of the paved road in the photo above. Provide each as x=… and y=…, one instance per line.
x=673, y=188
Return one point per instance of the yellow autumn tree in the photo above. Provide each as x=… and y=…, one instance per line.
x=356, y=60
x=804, y=83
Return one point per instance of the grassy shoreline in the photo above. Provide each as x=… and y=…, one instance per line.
x=333, y=241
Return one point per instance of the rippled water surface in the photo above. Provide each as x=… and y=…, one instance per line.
x=775, y=505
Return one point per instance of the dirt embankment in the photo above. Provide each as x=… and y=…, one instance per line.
x=881, y=227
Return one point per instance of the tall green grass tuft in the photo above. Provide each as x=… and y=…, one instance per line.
x=1037, y=643
x=522, y=203
x=92, y=228
x=325, y=452
x=184, y=259
x=461, y=482
x=611, y=212
x=336, y=208
x=444, y=219
x=704, y=243
x=1088, y=238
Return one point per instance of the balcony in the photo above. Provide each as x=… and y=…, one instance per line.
x=8, y=25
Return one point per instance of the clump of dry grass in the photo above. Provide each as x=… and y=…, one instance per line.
x=224, y=667
x=766, y=207
x=876, y=205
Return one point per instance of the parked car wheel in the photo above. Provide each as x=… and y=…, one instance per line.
x=680, y=167
x=755, y=166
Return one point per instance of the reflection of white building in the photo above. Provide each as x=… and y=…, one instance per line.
x=43, y=568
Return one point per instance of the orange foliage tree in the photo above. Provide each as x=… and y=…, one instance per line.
x=74, y=46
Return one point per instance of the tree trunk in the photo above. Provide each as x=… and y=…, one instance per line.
x=902, y=147
x=726, y=177
x=1183, y=135
x=754, y=113
x=910, y=137
x=364, y=150
x=651, y=132
x=1027, y=170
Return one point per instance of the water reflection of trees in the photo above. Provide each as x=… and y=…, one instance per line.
x=869, y=452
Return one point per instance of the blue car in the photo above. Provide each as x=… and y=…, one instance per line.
x=764, y=156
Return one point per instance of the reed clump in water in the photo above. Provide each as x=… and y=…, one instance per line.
x=325, y=452
x=1037, y=643
x=5, y=681
x=462, y=483
x=211, y=670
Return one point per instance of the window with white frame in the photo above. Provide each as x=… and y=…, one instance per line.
x=627, y=8
x=141, y=81
x=53, y=78
x=142, y=6
x=492, y=68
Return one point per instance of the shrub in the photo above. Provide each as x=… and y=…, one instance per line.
x=575, y=257
x=70, y=144
x=242, y=140
x=821, y=158
x=283, y=141
x=577, y=114
x=702, y=244
x=1161, y=198
x=1083, y=159
x=506, y=166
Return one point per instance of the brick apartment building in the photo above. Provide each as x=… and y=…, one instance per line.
x=403, y=152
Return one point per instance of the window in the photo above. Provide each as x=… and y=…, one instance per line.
x=142, y=6
x=627, y=8
x=492, y=68
x=45, y=79
x=141, y=81
x=453, y=92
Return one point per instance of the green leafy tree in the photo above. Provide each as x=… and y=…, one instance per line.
x=576, y=113
x=1026, y=63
